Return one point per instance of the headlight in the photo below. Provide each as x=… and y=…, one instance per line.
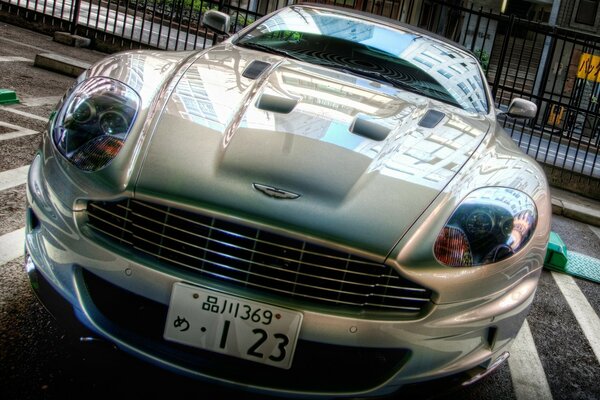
x=93, y=122
x=489, y=225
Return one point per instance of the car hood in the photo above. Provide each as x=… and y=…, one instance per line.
x=290, y=127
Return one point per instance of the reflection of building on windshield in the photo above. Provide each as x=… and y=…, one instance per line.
x=458, y=74
x=452, y=71
x=318, y=22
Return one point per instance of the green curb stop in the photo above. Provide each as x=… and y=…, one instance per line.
x=556, y=253
x=575, y=264
x=8, y=97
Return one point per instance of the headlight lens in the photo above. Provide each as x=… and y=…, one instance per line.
x=94, y=121
x=489, y=225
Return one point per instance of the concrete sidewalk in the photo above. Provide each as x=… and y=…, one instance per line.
x=74, y=60
x=575, y=207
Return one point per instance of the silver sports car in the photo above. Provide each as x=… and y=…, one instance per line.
x=324, y=204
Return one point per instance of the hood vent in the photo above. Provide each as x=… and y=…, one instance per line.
x=369, y=129
x=277, y=104
x=255, y=69
x=431, y=119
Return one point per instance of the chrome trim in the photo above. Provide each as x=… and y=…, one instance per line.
x=254, y=258
x=274, y=192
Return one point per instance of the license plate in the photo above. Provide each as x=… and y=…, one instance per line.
x=231, y=325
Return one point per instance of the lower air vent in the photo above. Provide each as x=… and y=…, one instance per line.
x=355, y=368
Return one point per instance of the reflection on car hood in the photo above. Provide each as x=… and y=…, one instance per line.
x=212, y=143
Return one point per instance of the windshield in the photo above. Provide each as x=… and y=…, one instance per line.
x=399, y=58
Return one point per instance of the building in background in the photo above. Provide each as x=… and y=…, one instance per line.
x=582, y=15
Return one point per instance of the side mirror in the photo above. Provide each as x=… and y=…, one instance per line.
x=521, y=108
x=217, y=21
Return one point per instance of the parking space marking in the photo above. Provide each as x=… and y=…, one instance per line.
x=23, y=44
x=41, y=101
x=584, y=313
x=13, y=177
x=18, y=131
x=12, y=245
x=14, y=59
x=23, y=113
x=13, y=135
x=526, y=370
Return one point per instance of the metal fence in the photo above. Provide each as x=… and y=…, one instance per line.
x=556, y=68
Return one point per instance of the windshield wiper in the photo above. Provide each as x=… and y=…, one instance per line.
x=363, y=73
x=429, y=92
x=268, y=49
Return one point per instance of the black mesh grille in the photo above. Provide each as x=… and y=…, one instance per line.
x=257, y=259
x=316, y=366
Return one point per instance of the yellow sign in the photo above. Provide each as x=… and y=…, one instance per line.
x=589, y=66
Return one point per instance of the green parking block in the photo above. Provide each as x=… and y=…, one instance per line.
x=556, y=253
x=571, y=263
x=8, y=97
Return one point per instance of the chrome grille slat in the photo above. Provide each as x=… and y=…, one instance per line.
x=257, y=259
x=110, y=223
x=253, y=251
x=413, y=309
x=109, y=234
x=270, y=288
x=399, y=297
x=256, y=285
x=262, y=275
x=412, y=289
x=110, y=213
x=257, y=240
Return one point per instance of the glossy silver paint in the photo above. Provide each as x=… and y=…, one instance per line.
x=200, y=142
x=521, y=108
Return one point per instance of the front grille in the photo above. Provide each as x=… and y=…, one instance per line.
x=256, y=259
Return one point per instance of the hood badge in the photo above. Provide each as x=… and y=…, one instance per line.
x=275, y=192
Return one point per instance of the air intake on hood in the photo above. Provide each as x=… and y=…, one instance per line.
x=255, y=69
x=369, y=129
x=278, y=104
x=431, y=119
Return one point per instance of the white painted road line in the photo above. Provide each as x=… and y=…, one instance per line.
x=40, y=101
x=18, y=131
x=11, y=245
x=528, y=376
x=13, y=59
x=12, y=126
x=23, y=113
x=13, y=177
x=23, y=44
x=13, y=135
x=584, y=313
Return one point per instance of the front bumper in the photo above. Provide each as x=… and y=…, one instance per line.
x=125, y=302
